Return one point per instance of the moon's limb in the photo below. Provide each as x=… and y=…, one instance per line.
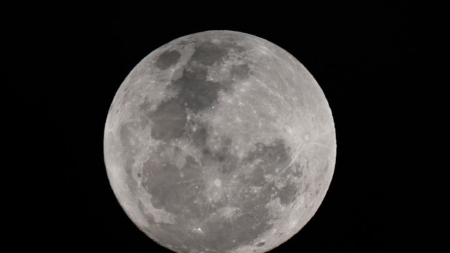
x=220, y=141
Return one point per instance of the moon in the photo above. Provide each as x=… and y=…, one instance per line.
x=220, y=141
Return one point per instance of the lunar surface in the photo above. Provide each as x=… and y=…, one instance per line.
x=220, y=141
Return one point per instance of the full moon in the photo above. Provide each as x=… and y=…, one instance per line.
x=220, y=141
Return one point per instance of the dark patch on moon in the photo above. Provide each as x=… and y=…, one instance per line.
x=221, y=155
x=167, y=59
x=260, y=244
x=145, y=106
x=194, y=91
x=200, y=135
x=272, y=155
x=288, y=193
x=240, y=72
x=126, y=135
x=325, y=168
x=208, y=53
x=228, y=163
x=168, y=121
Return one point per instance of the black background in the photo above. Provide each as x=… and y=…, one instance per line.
x=359, y=54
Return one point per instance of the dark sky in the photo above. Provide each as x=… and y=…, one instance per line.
x=359, y=54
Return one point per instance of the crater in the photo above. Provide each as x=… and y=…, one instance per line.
x=260, y=244
x=306, y=137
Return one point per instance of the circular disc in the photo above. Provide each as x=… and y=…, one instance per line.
x=220, y=141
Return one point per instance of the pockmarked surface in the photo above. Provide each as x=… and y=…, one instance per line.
x=220, y=141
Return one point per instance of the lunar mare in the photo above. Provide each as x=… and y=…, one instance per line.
x=220, y=141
